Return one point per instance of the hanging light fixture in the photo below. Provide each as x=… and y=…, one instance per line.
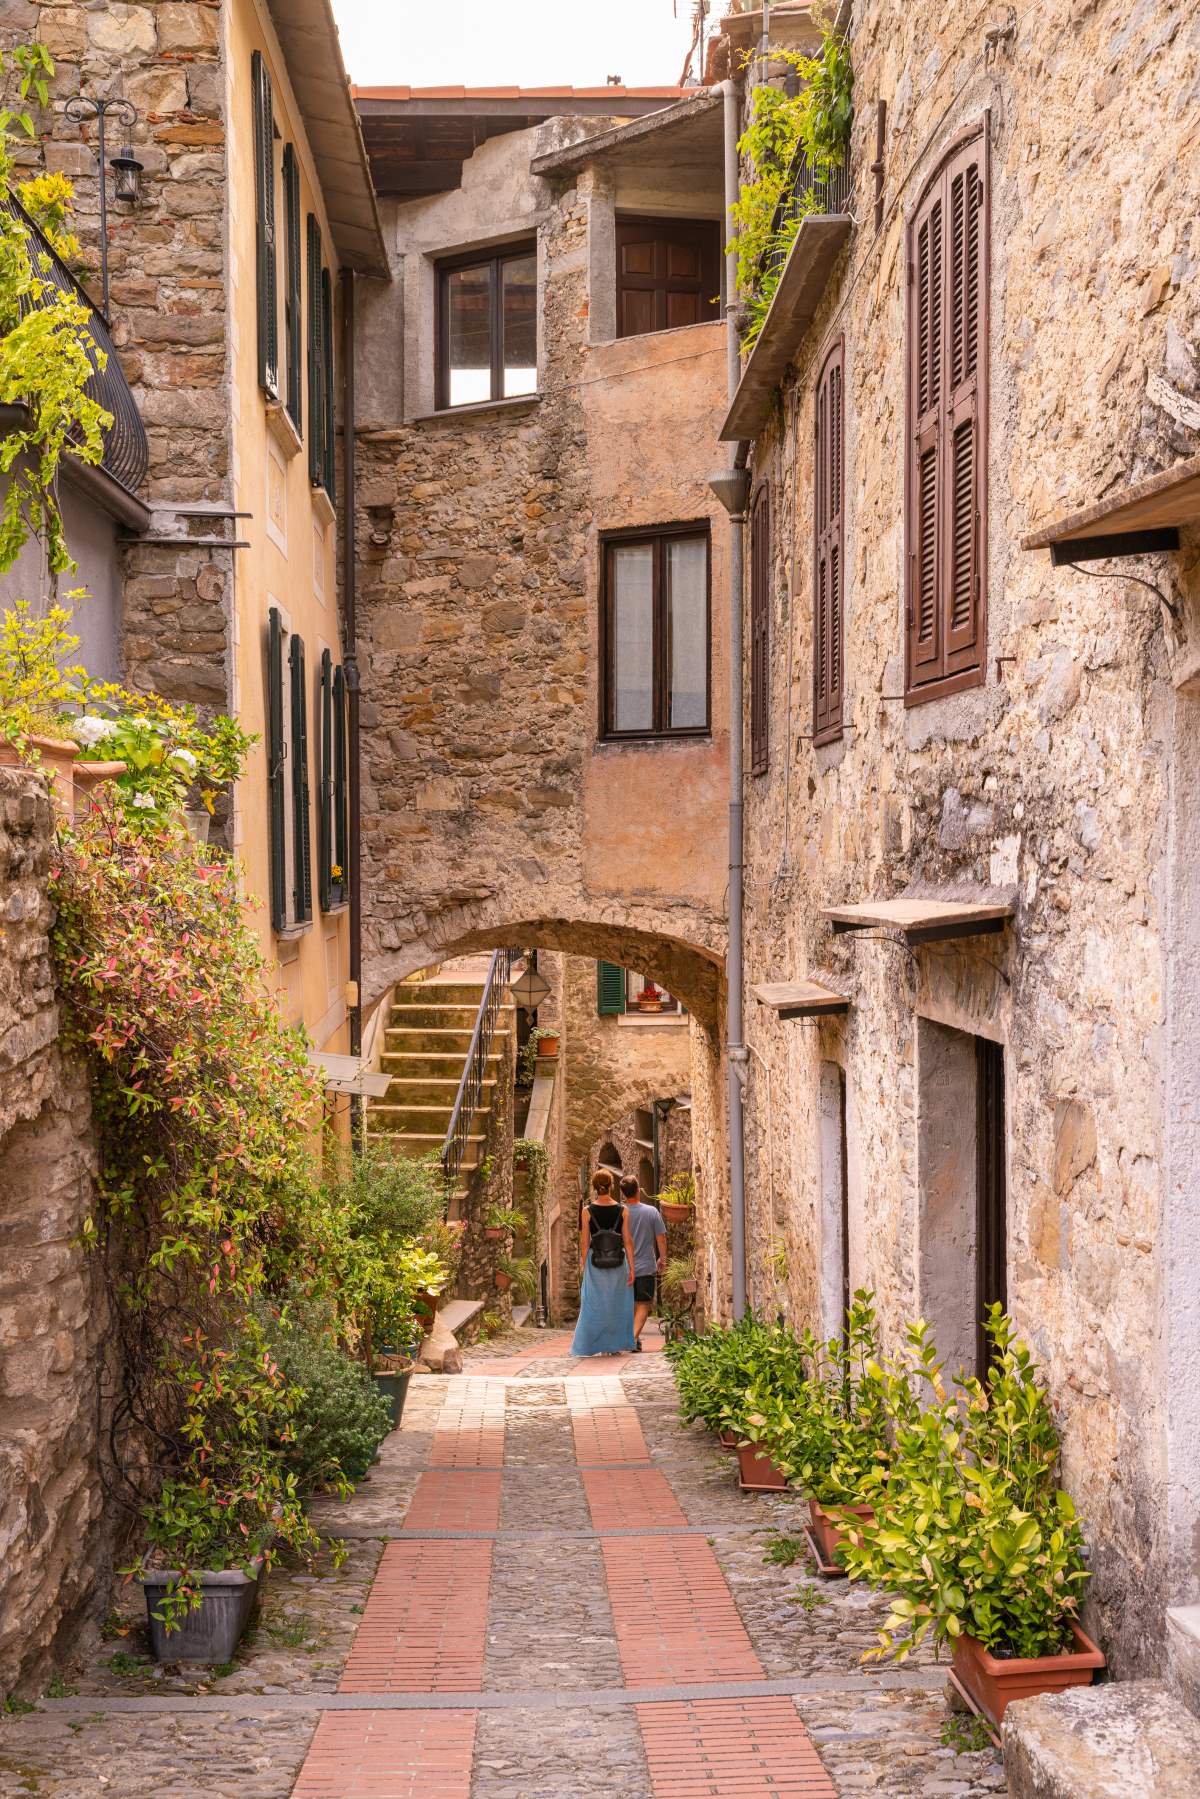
x=529, y=989
x=128, y=172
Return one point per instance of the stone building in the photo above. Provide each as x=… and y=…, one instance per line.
x=226, y=313
x=972, y=895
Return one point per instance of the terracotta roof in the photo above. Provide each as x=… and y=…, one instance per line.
x=519, y=93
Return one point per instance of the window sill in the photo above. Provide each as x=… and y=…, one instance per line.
x=643, y=1021
x=323, y=506
x=519, y=403
x=282, y=427
x=335, y=909
x=644, y=740
x=941, y=690
x=292, y=933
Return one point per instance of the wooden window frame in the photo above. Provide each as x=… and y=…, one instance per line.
x=936, y=425
x=658, y=284
x=455, y=265
x=829, y=551
x=760, y=630
x=658, y=536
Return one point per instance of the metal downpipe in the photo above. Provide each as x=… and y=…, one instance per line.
x=353, y=686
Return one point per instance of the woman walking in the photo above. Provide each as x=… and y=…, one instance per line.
x=605, y=1324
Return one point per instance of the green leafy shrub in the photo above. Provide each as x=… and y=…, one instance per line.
x=972, y=1531
x=336, y=1432
x=713, y=1366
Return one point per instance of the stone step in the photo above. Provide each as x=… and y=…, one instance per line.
x=420, y=993
x=412, y=1087
x=420, y=1143
x=423, y=1120
x=433, y=1013
x=1127, y=1738
x=432, y=1037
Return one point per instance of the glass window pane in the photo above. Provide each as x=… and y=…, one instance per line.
x=633, y=637
x=687, y=632
x=469, y=335
x=519, y=288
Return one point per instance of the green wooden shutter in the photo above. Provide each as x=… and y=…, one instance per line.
x=325, y=813
x=316, y=358
x=328, y=477
x=264, y=227
x=610, y=988
x=275, y=759
x=293, y=310
x=341, y=826
x=301, y=836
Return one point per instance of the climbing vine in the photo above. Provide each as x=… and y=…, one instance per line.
x=816, y=120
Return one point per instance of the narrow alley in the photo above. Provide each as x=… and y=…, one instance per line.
x=552, y=1588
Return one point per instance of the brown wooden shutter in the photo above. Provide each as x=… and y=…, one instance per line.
x=829, y=551
x=264, y=226
x=668, y=274
x=760, y=632
x=947, y=411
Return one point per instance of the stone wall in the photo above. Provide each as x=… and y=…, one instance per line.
x=55, y=1540
x=1056, y=779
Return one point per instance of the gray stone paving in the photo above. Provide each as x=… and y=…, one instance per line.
x=173, y=1755
x=551, y=1623
x=575, y=1754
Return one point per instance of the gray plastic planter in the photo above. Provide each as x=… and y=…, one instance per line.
x=212, y=1632
x=393, y=1384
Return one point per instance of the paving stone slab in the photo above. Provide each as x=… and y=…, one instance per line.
x=173, y=1755
x=551, y=1622
x=568, y=1755
x=889, y=1741
x=1106, y=1742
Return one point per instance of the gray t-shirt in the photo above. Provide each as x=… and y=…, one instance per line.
x=645, y=1224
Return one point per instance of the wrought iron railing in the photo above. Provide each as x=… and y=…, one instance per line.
x=470, y=1087
x=126, y=452
x=808, y=190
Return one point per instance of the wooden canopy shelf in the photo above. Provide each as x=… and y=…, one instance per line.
x=923, y=920
x=800, y=999
x=1131, y=522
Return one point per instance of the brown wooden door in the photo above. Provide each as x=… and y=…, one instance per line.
x=667, y=274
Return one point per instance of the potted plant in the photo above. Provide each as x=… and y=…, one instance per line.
x=712, y=1369
x=40, y=694
x=500, y=1222
x=517, y=1272
x=547, y=1042
x=973, y=1538
x=677, y=1200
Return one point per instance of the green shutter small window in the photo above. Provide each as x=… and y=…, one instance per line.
x=301, y=835
x=316, y=357
x=328, y=479
x=264, y=227
x=275, y=761
x=610, y=989
x=341, y=832
x=292, y=305
x=325, y=814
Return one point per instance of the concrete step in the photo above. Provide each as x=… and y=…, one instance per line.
x=417, y=1144
x=414, y=1087
x=431, y=1012
x=1118, y=1741
x=421, y=1120
x=441, y=1038
x=420, y=993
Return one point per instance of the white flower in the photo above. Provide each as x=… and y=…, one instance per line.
x=144, y=802
x=89, y=730
x=183, y=759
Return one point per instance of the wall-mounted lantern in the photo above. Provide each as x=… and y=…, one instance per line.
x=126, y=166
x=128, y=184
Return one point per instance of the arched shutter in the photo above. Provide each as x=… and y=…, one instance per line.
x=275, y=761
x=610, y=989
x=829, y=549
x=760, y=632
x=264, y=226
x=947, y=419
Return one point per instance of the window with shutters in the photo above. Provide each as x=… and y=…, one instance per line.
x=292, y=309
x=622, y=992
x=668, y=274
x=829, y=638
x=320, y=363
x=487, y=327
x=946, y=511
x=654, y=628
x=264, y=226
x=288, y=798
x=760, y=632
x=333, y=883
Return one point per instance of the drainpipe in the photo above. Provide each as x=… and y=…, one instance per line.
x=350, y=670
x=732, y=488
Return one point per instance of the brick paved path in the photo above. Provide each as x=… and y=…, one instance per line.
x=554, y=1590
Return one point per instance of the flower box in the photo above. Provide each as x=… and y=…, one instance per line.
x=829, y=1537
x=211, y=1633
x=728, y=1440
x=673, y=1213
x=547, y=1047
x=56, y=758
x=757, y=1473
x=993, y=1682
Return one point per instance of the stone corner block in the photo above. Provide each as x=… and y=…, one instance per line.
x=1114, y=1741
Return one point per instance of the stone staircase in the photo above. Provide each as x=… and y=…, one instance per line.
x=426, y=1040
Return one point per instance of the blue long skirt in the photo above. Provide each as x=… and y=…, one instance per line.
x=605, y=1311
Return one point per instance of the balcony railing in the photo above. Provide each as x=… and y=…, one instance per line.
x=809, y=192
x=470, y=1087
x=126, y=452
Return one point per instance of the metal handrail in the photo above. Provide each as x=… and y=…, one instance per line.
x=831, y=190
x=470, y=1087
x=126, y=451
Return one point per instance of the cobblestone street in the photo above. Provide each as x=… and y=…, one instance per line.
x=553, y=1589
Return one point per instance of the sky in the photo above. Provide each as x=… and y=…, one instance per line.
x=521, y=43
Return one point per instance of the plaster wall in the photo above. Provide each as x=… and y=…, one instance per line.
x=1067, y=778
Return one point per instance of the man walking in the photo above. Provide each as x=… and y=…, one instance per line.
x=649, y=1235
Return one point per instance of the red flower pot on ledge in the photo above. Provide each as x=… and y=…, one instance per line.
x=994, y=1682
x=757, y=1473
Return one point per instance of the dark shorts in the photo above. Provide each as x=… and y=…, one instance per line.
x=643, y=1287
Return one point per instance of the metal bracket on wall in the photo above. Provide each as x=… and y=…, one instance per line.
x=1077, y=550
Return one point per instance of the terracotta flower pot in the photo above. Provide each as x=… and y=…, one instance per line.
x=57, y=761
x=493, y=1234
x=547, y=1047
x=689, y=1289
x=426, y=1303
x=828, y=1536
x=993, y=1683
x=91, y=775
x=728, y=1440
x=757, y=1473
x=501, y=1281
x=673, y=1213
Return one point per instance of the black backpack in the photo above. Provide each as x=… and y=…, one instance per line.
x=608, y=1246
